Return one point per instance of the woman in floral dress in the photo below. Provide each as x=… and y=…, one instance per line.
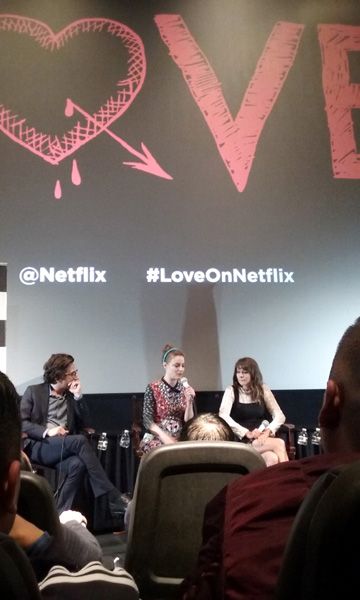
x=168, y=403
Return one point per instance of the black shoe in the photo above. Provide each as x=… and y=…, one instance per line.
x=117, y=523
x=117, y=503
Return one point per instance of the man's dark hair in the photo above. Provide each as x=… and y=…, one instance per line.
x=56, y=367
x=207, y=426
x=10, y=427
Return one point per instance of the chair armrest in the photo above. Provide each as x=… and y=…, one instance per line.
x=25, y=463
x=88, y=430
x=288, y=429
x=136, y=431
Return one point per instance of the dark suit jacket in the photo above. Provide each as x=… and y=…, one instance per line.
x=34, y=411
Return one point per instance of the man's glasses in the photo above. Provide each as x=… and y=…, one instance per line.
x=73, y=374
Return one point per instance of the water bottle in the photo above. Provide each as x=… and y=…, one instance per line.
x=316, y=441
x=125, y=439
x=103, y=442
x=302, y=442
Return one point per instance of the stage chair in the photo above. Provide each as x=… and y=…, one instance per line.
x=50, y=473
x=36, y=503
x=287, y=433
x=137, y=429
x=322, y=554
x=173, y=486
x=25, y=463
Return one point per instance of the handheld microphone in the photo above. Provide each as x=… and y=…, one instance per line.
x=264, y=424
x=185, y=382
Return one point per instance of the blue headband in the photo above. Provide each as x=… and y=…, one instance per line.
x=168, y=352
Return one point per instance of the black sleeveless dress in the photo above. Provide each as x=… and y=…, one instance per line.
x=249, y=415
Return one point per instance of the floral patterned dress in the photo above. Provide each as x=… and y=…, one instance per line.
x=164, y=405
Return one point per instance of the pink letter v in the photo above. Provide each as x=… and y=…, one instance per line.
x=236, y=139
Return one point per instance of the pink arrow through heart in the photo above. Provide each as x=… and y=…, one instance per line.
x=54, y=149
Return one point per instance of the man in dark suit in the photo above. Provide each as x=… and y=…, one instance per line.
x=52, y=416
x=18, y=581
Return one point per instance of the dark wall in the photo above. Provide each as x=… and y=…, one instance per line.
x=114, y=412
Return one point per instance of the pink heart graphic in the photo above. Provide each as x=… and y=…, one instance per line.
x=54, y=149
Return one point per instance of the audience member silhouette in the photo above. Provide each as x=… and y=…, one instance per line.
x=247, y=524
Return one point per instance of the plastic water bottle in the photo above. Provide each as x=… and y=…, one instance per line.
x=316, y=441
x=103, y=442
x=125, y=439
x=302, y=441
